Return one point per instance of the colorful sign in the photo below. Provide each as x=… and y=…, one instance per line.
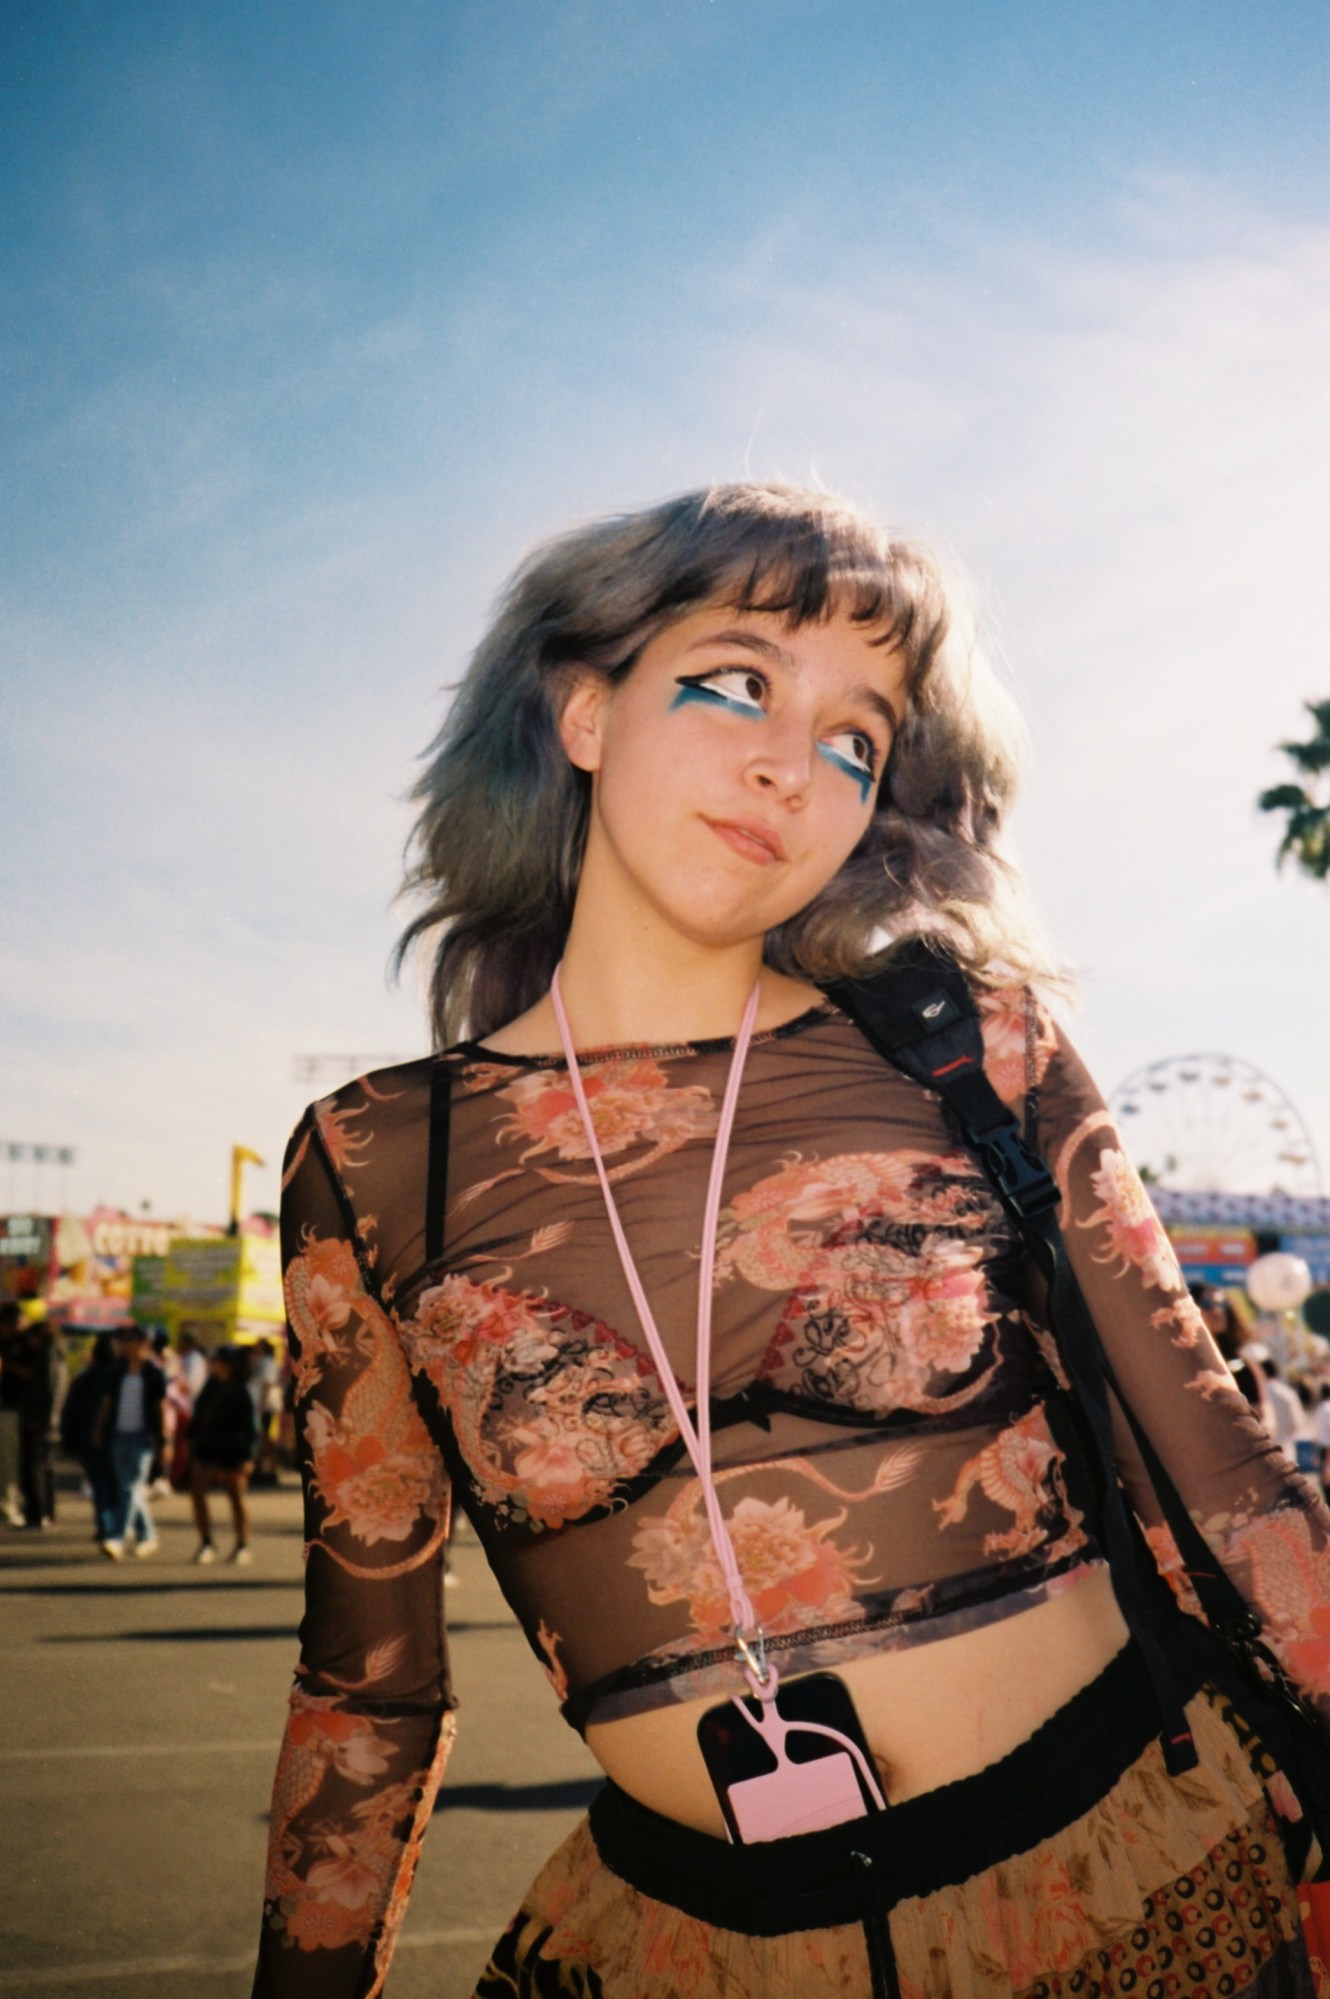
x=25, y=1254
x=1314, y=1251
x=89, y=1288
x=221, y=1288
x=147, y=1290
x=95, y=1272
x=1212, y=1253
x=114, y=1236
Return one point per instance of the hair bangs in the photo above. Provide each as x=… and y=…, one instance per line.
x=799, y=556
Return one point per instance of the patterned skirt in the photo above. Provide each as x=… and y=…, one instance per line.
x=1075, y=1865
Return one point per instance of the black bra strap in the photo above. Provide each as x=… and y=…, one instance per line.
x=436, y=1182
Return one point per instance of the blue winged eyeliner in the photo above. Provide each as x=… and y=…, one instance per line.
x=698, y=687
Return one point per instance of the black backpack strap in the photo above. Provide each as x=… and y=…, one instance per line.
x=436, y=1178
x=920, y=1015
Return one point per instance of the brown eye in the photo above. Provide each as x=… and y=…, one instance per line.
x=741, y=689
x=857, y=750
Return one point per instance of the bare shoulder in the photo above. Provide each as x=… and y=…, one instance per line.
x=535, y=1032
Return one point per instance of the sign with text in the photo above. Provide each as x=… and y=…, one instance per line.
x=1212, y=1253
x=222, y=1288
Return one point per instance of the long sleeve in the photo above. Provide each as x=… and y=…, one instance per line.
x=1266, y=1525
x=370, y=1721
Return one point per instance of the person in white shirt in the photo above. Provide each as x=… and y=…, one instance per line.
x=1283, y=1413
x=193, y=1366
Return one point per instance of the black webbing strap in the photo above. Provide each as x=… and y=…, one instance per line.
x=436, y=1178
x=920, y=1015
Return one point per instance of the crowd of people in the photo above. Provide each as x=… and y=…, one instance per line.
x=1292, y=1402
x=141, y=1418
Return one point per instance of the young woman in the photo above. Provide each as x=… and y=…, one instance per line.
x=708, y=756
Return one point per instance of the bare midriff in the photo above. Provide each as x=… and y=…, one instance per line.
x=932, y=1713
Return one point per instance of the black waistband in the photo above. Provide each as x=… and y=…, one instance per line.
x=816, y=1879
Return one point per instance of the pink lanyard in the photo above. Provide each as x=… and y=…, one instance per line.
x=761, y=1673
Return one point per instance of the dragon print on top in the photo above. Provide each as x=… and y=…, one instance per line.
x=882, y=1406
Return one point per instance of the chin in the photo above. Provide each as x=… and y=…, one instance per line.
x=723, y=930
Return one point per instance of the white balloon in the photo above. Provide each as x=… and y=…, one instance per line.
x=1278, y=1282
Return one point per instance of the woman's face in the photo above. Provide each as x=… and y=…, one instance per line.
x=735, y=769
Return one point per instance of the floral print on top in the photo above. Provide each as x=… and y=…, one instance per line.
x=884, y=1406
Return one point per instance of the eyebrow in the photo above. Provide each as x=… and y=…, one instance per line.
x=768, y=649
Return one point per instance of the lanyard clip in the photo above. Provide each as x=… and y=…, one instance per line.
x=753, y=1656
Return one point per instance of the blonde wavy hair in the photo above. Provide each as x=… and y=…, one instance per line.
x=495, y=852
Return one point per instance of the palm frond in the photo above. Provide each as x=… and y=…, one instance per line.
x=1307, y=823
x=1283, y=798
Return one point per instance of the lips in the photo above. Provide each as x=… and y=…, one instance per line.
x=751, y=839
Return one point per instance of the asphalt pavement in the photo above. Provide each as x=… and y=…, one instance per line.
x=141, y=1705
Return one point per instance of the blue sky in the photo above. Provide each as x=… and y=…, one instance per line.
x=314, y=316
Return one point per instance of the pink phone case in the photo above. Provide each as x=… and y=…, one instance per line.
x=796, y=1797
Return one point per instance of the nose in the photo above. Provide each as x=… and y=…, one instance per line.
x=783, y=766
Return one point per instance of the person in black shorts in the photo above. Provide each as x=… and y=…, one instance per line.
x=223, y=1437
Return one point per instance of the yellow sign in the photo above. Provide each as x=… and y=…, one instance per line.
x=222, y=1288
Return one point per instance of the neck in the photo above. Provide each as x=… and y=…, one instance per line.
x=630, y=978
x=652, y=988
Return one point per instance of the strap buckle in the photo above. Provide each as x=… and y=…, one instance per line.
x=1020, y=1176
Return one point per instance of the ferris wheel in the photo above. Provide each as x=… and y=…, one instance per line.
x=1214, y=1124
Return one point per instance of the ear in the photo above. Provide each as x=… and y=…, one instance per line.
x=582, y=718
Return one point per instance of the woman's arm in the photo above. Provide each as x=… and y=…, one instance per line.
x=1267, y=1526
x=369, y=1725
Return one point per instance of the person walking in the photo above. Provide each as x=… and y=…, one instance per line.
x=13, y=1388
x=130, y=1425
x=193, y=1370
x=40, y=1366
x=223, y=1436
x=715, y=1316
x=79, y=1433
x=35, y=1367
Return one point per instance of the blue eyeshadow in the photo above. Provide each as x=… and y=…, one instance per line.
x=692, y=691
x=863, y=778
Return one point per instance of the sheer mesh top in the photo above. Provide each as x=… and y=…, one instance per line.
x=884, y=1398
